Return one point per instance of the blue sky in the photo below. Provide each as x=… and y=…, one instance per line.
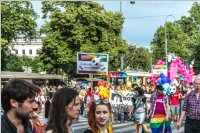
x=141, y=19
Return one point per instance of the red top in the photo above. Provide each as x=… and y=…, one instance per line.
x=175, y=100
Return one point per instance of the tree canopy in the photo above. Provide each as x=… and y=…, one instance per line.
x=137, y=58
x=79, y=27
x=183, y=38
x=83, y=26
x=17, y=18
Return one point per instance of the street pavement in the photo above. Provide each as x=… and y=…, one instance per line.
x=127, y=127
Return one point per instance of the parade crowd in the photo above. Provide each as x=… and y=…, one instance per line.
x=24, y=105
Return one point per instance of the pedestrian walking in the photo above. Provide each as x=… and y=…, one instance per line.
x=17, y=100
x=37, y=124
x=65, y=107
x=175, y=105
x=191, y=108
x=47, y=106
x=99, y=117
x=139, y=108
x=159, y=112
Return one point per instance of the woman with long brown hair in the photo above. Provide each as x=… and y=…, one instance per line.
x=64, y=108
x=99, y=117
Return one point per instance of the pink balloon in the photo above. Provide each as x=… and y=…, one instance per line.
x=191, y=71
x=182, y=66
x=163, y=63
x=184, y=70
x=173, y=61
x=160, y=62
x=184, y=73
x=186, y=81
x=173, y=65
x=178, y=60
x=179, y=65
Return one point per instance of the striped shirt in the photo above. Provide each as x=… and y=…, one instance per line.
x=192, y=106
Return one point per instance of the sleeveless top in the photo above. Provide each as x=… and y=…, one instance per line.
x=138, y=101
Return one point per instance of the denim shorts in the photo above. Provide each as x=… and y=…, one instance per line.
x=175, y=109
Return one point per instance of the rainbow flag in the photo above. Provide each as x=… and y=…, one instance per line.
x=159, y=125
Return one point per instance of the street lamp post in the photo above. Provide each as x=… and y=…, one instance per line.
x=121, y=58
x=150, y=51
x=166, y=38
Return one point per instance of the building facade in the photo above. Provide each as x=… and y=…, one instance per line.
x=25, y=47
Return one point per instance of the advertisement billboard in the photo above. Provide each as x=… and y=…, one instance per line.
x=92, y=63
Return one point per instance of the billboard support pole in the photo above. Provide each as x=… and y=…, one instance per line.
x=91, y=80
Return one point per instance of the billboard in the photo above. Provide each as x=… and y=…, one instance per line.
x=158, y=69
x=92, y=63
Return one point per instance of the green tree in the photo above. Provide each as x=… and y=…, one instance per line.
x=36, y=65
x=176, y=42
x=137, y=58
x=16, y=18
x=16, y=63
x=182, y=35
x=79, y=27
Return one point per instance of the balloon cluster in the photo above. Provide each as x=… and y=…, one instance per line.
x=178, y=66
x=160, y=62
x=153, y=78
x=104, y=92
x=165, y=82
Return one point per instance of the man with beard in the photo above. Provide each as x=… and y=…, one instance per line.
x=17, y=100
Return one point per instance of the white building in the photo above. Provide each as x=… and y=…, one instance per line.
x=22, y=46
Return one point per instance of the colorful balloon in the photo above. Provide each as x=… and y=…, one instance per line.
x=165, y=86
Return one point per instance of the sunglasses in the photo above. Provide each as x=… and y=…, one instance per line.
x=35, y=109
x=103, y=101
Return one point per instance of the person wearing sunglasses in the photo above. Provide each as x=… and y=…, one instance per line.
x=99, y=117
x=159, y=112
x=64, y=108
x=37, y=124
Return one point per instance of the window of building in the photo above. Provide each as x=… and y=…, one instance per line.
x=30, y=51
x=37, y=51
x=23, y=52
x=16, y=51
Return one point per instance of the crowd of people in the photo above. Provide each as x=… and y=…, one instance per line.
x=23, y=103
